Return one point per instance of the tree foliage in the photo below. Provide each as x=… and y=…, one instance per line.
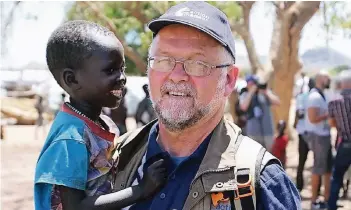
x=128, y=21
x=335, y=17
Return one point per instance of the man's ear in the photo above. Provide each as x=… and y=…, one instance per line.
x=69, y=79
x=232, y=76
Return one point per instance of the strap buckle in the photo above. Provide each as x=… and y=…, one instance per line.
x=246, y=187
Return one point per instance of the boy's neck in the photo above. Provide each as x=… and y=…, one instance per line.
x=87, y=109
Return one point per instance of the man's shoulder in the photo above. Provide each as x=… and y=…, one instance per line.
x=314, y=95
x=277, y=189
x=134, y=135
x=253, y=155
x=335, y=101
x=271, y=170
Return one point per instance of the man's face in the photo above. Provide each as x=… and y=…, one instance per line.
x=101, y=76
x=181, y=100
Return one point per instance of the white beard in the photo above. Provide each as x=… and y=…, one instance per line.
x=184, y=114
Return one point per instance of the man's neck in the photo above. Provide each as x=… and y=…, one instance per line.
x=184, y=143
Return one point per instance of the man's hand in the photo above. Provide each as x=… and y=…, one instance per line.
x=154, y=178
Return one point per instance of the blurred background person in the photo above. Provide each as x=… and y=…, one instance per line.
x=319, y=139
x=145, y=112
x=299, y=125
x=256, y=102
x=280, y=143
x=40, y=124
x=119, y=115
x=339, y=117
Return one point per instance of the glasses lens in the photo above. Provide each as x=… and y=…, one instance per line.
x=163, y=64
x=196, y=68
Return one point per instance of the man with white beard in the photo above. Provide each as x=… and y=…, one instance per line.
x=191, y=71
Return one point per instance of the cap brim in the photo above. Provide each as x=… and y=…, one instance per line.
x=156, y=25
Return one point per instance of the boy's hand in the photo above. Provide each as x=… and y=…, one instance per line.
x=154, y=178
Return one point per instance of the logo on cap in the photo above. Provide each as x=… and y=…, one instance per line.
x=191, y=13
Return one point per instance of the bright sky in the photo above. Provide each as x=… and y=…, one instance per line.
x=28, y=38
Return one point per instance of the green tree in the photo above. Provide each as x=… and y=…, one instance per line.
x=128, y=21
x=335, y=17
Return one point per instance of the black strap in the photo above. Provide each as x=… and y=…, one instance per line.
x=321, y=93
x=245, y=191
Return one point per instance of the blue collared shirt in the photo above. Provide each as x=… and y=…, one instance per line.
x=277, y=190
x=181, y=171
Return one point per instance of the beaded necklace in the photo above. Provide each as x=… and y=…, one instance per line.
x=96, y=122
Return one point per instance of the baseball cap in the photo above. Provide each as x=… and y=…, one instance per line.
x=200, y=15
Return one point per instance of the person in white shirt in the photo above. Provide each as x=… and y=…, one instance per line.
x=299, y=125
x=318, y=137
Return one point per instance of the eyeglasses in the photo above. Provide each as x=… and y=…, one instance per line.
x=191, y=67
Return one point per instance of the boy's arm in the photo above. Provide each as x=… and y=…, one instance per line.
x=73, y=199
x=152, y=181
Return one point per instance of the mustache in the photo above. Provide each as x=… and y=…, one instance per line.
x=181, y=87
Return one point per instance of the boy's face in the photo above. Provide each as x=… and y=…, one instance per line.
x=101, y=78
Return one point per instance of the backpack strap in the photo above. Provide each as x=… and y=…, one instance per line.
x=251, y=158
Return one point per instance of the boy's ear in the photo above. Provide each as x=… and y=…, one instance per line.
x=69, y=79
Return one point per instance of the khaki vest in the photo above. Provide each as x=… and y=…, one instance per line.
x=227, y=154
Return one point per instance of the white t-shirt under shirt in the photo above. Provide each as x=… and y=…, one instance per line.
x=317, y=101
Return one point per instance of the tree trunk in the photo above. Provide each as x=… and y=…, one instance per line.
x=284, y=52
x=243, y=30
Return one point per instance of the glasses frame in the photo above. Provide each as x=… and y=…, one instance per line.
x=183, y=62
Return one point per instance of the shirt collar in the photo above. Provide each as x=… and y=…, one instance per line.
x=155, y=149
x=105, y=134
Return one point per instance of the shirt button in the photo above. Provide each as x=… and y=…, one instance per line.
x=162, y=196
x=195, y=194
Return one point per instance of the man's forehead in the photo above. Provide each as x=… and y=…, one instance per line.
x=181, y=34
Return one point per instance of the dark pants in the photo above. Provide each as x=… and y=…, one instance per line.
x=303, y=152
x=341, y=164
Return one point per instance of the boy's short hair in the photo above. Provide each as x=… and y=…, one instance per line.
x=70, y=44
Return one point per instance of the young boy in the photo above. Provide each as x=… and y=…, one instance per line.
x=75, y=167
x=280, y=143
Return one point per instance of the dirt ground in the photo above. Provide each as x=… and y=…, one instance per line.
x=19, y=152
